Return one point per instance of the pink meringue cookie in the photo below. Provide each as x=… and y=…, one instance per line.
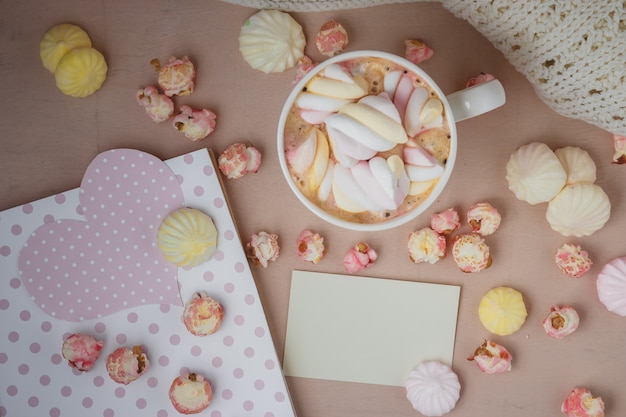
x=611, y=285
x=426, y=245
x=572, y=260
x=480, y=78
x=445, y=222
x=263, y=248
x=580, y=403
x=359, y=257
x=238, y=159
x=176, y=77
x=331, y=39
x=619, y=143
x=417, y=51
x=158, y=106
x=561, y=321
x=81, y=351
x=471, y=253
x=492, y=358
x=124, y=365
x=484, y=218
x=311, y=246
x=195, y=124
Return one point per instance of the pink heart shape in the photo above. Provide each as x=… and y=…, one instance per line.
x=77, y=270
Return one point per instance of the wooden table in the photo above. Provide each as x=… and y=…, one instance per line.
x=48, y=139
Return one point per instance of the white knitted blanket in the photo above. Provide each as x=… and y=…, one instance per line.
x=572, y=51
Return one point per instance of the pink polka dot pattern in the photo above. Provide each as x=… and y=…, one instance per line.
x=123, y=209
x=239, y=360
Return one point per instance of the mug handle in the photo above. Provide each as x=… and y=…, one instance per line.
x=476, y=100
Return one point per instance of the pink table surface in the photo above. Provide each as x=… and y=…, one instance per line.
x=48, y=139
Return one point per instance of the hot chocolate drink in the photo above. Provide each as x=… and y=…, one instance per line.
x=366, y=140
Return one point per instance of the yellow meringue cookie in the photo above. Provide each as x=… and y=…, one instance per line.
x=58, y=41
x=81, y=72
x=502, y=311
x=187, y=237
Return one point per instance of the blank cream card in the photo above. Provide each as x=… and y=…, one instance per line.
x=368, y=330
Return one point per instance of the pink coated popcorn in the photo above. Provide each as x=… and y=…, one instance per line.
x=561, y=321
x=195, y=124
x=158, y=106
x=572, y=260
x=580, y=403
x=445, y=222
x=190, y=393
x=484, y=218
x=311, y=246
x=263, y=248
x=417, y=51
x=492, y=358
x=471, y=253
x=81, y=351
x=124, y=365
x=426, y=245
x=331, y=39
x=304, y=65
x=238, y=159
x=361, y=256
x=176, y=77
x=480, y=78
x=619, y=143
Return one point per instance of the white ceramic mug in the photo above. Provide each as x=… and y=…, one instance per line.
x=470, y=102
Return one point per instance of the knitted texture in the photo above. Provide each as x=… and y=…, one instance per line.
x=573, y=52
x=313, y=5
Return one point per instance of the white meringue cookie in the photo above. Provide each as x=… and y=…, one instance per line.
x=534, y=173
x=433, y=388
x=577, y=163
x=580, y=209
x=271, y=41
